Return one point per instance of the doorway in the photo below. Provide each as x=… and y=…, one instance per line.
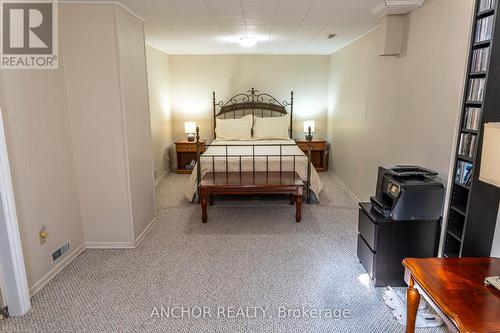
x=13, y=274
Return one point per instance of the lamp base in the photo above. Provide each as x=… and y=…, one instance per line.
x=309, y=137
x=190, y=137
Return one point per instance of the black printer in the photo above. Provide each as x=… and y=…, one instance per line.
x=407, y=192
x=401, y=221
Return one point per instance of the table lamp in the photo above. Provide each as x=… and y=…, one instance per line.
x=307, y=124
x=190, y=129
x=490, y=157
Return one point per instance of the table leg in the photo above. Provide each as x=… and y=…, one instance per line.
x=204, y=204
x=298, y=208
x=211, y=200
x=412, y=300
x=292, y=199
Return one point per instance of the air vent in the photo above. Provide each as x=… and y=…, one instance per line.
x=396, y=7
x=60, y=252
x=330, y=36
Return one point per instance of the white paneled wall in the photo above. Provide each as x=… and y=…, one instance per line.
x=109, y=111
x=92, y=81
x=135, y=110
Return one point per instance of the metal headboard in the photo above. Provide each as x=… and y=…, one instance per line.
x=253, y=103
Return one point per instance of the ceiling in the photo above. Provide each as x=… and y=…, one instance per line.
x=282, y=26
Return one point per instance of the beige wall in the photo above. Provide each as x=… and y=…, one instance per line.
x=495, y=248
x=109, y=112
x=3, y=301
x=388, y=110
x=137, y=126
x=95, y=113
x=193, y=78
x=158, y=65
x=80, y=150
x=37, y=126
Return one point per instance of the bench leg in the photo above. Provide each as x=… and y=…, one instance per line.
x=298, y=208
x=204, y=205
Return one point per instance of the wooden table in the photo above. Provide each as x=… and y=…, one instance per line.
x=186, y=152
x=272, y=182
x=456, y=287
x=319, y=151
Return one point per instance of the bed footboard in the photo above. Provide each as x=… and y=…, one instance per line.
x=279, y=159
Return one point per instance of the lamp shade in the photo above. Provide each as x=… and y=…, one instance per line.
x=490, y=156
x=189, y=127
x=307, y=124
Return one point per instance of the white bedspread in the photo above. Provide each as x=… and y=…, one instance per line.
x=261, y=151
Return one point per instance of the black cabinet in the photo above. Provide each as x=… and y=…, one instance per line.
x=383, y=243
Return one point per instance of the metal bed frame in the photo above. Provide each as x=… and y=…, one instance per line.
x=255, y=103
x=226, y=157
x=239, y=106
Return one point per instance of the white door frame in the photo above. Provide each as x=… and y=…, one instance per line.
x=11, y=253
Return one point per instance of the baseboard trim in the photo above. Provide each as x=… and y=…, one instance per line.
x=145, y=232
x=344, y=186
x=57, y=269
x=122, y=245
x=110, y=245
x=89, y=245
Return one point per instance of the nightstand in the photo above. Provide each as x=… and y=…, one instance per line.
x=186, y=152
x=319, y=152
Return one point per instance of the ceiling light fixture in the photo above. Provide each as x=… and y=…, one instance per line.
x=330, y=36
x=248, y=41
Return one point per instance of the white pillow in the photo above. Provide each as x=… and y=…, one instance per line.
x=234, y=129
x=271, y=128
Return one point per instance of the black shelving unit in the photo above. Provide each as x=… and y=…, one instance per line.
x=473, y=204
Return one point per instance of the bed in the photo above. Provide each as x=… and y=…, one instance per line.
x=240, y=166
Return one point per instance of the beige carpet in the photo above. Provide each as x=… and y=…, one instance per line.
x=250, y=255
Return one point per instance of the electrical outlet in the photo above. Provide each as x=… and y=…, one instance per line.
x=43, y=234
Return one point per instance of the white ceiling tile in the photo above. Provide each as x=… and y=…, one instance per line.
x=215, y=26
x=223, y=5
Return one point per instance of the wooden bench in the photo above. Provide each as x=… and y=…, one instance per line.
x=229, y=183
